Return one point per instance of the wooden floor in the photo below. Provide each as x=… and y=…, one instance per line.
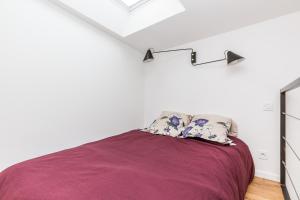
x=262, y=189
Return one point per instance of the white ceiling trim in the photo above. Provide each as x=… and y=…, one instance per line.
x=133, y=6
x=113, y=15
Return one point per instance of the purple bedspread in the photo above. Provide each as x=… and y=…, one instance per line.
x=134, y=166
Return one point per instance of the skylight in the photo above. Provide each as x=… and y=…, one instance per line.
x=132, y=4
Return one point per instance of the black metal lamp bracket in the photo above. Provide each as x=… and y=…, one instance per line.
x=203, y=63
x=193, y=56
x=193, y=53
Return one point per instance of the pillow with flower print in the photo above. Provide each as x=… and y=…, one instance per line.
x=233, y=129
x=209, y=127
x=169, y=123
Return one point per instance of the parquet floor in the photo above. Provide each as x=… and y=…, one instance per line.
x=262, y=189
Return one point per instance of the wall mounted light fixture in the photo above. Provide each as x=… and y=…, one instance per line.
x=230, y=57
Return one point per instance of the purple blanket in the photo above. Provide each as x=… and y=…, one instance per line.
x=134, y=166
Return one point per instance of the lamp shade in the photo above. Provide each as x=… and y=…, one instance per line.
x=149, y=56
x=233, y=58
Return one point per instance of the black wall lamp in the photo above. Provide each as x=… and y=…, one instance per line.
x=230, y=57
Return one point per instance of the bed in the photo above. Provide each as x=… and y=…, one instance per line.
x=134, y=166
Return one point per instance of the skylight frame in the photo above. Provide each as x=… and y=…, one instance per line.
x=134, y=5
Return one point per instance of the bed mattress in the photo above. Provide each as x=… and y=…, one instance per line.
x=134, y=166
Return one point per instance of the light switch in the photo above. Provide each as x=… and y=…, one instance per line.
x=268, y=107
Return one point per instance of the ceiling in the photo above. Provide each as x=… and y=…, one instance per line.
x=118, y=19
x=201, y=19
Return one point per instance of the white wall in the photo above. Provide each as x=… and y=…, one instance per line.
x=62, y=82
x=272, y=51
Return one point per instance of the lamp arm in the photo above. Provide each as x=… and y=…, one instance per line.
x=187, y=49
x=193, y=58
x=193, y=53
x=196, y=64
x=219, y=60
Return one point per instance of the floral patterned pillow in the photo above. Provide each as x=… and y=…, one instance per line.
x=234, y=129
x=209, y=127
x=169, y=123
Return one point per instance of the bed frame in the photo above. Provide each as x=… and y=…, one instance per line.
x=284, y=142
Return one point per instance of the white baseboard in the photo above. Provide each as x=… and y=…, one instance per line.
x=267, y=175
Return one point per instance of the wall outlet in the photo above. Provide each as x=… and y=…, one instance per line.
x=262, y=155
x=268, y=107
